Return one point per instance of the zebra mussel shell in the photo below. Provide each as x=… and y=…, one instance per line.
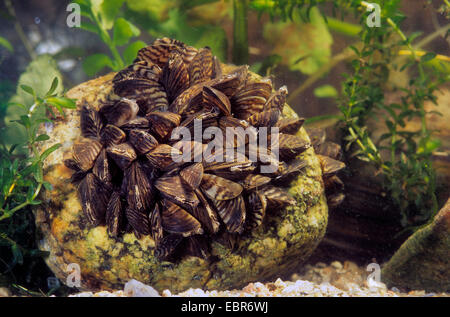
x=125, y=166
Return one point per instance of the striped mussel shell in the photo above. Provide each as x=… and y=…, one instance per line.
x=140, y=167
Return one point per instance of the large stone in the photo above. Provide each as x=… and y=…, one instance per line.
x=278, y=247
x=423, y=261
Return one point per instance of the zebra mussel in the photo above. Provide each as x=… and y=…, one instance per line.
x=124, y=167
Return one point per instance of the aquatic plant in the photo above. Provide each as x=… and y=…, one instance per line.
x=113, y=31
x=409, y=177
x=21, y=176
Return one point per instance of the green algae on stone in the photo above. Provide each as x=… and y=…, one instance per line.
x=284, y=242
x=423, y=260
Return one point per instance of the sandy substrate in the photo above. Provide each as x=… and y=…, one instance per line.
x=321, y=280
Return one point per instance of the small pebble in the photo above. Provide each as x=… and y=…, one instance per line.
x=166, y=293
x=135, y=288
x=195, y=292
x=375, y=286
x=304, y=286
x=337, y=265
x=249, y=288
x=4, y=292
x=352, y=267
x=83, y=294
x=280, y=283
x=290, y=290
x=417, y=293
x=260, y=286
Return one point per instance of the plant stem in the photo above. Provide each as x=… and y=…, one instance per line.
x=240, y=32
x=440, y=32
x=19, y=30
x=346, y=54
x=104, y=35
x=34, y=150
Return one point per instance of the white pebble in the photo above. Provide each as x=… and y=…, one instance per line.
x=166, y=293
x=279, y=283
x=328, y=288
x=194, y=292
x=375, y=286
x=105, y=294
x=290, y=290
x=83, y=294
x=337, y=265
x=135, y=288
x=304, y=286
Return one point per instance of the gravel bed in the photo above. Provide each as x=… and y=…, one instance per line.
x=321, y=280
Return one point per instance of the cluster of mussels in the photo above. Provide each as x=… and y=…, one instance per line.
x=124, y=167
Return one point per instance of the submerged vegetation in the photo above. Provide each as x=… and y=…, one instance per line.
x=21, y=174
x=300, y=35
x=409, y=177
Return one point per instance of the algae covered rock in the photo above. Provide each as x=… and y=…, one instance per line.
x=423, y=261
x=285, y=239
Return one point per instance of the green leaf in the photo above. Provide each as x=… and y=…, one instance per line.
x=28, y=90
x=123, y=31
x=152, y=12
x=47, y=185
x=35, y=202
x=5, y=43
x=325, y=91
x=38, y=74
x=89, y=27
x=38, y=176
x=109, y=10
x=49, y=151
x=62, y=102
x=95, y=63
x=52, y=87
x=262, y=5
x=42, y=137
x=414, y=35
x=428, y=146
x=427, y=57
x=131, y=51
x=95, y=6
x=16, y=104
x=24, y=120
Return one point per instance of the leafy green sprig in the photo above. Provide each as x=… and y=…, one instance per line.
x=409, y=177
x=114, y=31
x=21, y=178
